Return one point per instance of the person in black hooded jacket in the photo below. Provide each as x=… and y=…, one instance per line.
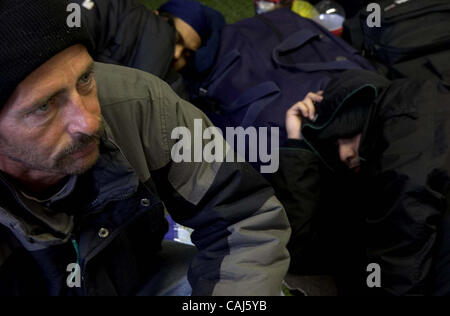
x=364, y=178
x=126, y=33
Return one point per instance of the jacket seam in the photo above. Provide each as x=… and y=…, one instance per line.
x=163, y=120
x=123, y=101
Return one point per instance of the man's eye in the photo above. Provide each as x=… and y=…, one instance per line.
x=43, y=108
x=86, y=78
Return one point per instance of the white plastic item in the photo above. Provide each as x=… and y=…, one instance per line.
x=331, y=16
x=263, y=6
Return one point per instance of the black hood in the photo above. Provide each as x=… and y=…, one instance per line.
x=341, y=92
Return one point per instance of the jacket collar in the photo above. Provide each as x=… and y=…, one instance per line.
x=111, y=178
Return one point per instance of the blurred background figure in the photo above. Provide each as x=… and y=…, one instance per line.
x=127, y=33
x=197, y=32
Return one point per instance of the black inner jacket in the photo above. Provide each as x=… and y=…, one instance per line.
x=127, y=33
x=391, y=212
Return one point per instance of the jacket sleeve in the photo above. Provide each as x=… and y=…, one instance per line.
x=402, y=227
x=240, y=228
x=404, y=216
x=407, y=193
x=297, y=185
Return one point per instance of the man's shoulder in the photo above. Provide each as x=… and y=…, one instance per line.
x=118, y=84
x=138, y=110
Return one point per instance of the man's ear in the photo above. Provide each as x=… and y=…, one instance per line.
x=156, y=12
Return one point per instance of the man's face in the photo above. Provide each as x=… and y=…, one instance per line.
x=52, y=121
x=187, y=42
x=349, y=152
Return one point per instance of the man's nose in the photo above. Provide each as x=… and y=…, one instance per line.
x=178, y=52
x=346, y=153
x=82, y=118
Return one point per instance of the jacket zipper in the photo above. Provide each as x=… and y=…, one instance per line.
x=78, y=262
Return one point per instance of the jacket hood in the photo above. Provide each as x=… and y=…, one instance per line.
x=344, y=90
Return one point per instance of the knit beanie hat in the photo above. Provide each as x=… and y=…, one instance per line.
x=31, y=32
x=190, y=11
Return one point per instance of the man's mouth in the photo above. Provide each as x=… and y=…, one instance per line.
x=356, y=169
x=86, y=151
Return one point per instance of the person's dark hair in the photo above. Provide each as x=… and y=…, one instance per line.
x=349, y=121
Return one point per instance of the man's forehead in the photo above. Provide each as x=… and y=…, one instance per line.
x=71, y=62
x=190, y=37
x=60, y=72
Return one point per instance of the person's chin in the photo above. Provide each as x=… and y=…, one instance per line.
x=82, y=161
x=83, y=165
x=356, y=169
x=88, y=161
x=178, y=65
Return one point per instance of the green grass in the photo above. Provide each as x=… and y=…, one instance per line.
x=233, y=10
